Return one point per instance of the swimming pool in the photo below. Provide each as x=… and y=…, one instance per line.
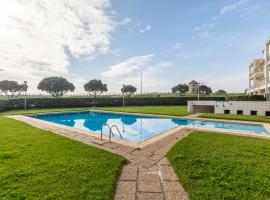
x=137, y=128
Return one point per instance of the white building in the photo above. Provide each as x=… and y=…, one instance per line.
x=261, y=108
x=259, y=73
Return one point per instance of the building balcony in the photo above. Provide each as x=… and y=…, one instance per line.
x=268, y=60
x=256, y=72
x=257, y=86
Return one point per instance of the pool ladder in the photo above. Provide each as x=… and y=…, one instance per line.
x=110, y=131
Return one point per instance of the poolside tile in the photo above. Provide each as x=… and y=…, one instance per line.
x=111, y=145
x=156, y=157
x=141, y=153
x=124, y=196
x=176, y=195
x=171, y=186
x=150, y=169
x=168, y=173
x=148, y=176
x=143, y=161
x=149, y=186
x=126, y=187
x=129, y=173
x=164, y=161
x=130, y=167
x=150, y=196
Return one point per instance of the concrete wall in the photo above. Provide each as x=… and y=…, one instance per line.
x=220, y=106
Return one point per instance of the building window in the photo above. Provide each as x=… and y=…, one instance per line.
x=239, y=112
x=267, y=113
x=227, y=111
x=253, y=112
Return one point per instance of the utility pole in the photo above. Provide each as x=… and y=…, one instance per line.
x=141, y=82
x=199, y=84
x=25, y=89
x=123, y=95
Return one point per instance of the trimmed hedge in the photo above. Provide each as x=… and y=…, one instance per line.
x=90, y=102
x=246, y=98
x=3, y=105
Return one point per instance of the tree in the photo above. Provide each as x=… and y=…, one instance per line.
x=221, y=92
x=180, y=88
x=128, y=89
x=56, y=86
x=204, y=89
x=95, y=87
x=12, y=88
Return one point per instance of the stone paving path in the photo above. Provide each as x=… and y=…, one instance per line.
x=148, y=176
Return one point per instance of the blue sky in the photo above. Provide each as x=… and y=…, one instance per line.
x=170, y=41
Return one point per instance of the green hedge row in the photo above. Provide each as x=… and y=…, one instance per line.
x=90, y=102
x=246, y=98
x=3, y=105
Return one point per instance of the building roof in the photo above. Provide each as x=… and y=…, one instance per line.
x=193, y=82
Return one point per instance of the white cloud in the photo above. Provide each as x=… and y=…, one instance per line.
x=127, y=66
x=232, y=7
x=36, y=35
x=129, y=72
x=125, y=21
x=177, y=45
x=145, y=29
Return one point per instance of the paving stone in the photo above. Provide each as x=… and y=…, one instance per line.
x=176, y=195
x=167, y=173
x=141, y=153
x=126, y=187
x=148, y=176
x=128, y=176
x=149, y=186
x=111, y=145
x=156, y=157
x=171, y=186
x=124, y=196
x=125, y=149
x=142, y=161
x=164, y=161
x=130, y=167
x=99, y=142
x=150, y=196
x=150, y=169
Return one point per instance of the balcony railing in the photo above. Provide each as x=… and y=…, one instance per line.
x=257, y=85
x=256, y=71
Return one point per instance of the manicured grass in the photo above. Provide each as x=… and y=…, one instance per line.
x=237, y=117
x=37, y=164
x=219, y=166
x=46, y=110
x=160, y=110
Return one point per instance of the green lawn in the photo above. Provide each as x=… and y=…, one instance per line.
x=46, y=110
x=219, y=166
x=237, y=117
x=37, y=164
x=160, y=110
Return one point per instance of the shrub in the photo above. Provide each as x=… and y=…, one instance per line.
x=3, y=105
x=246, y=98
x=89, y=102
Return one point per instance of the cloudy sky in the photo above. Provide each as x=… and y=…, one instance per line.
x=170, y=41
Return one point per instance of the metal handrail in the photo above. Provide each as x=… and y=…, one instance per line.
x=101, y=133
x=110, y=131
x=117, y=130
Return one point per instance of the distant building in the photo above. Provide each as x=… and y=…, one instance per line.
x=193, y=87
x=259, y=73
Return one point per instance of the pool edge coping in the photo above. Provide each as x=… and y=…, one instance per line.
x=149, y=140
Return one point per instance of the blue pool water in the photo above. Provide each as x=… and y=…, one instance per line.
x=138, y=128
